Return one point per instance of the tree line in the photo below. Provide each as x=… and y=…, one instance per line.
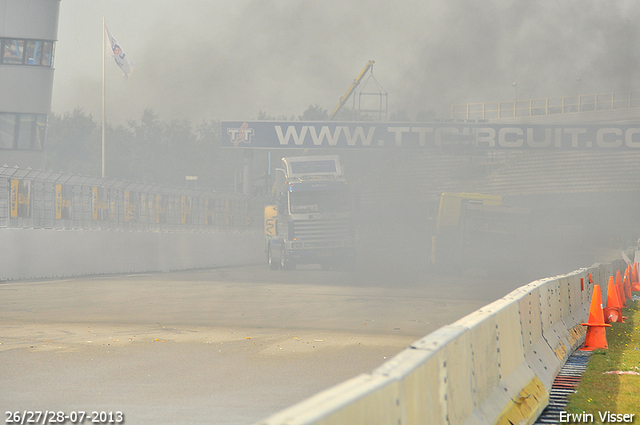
x=147, y=151
x=158, y=151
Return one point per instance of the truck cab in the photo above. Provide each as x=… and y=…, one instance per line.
x=312, y=219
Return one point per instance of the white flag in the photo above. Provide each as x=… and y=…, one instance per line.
x=117, y=53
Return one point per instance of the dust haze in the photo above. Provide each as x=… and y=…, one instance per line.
x=230, y=60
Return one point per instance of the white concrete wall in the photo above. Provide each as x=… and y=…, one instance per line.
x=35, y=19
x=26, y=89
x=46, y=253
x=495, y=365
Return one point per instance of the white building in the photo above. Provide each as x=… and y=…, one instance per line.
x=28, y=32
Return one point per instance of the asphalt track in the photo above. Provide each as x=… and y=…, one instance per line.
x=216, y=346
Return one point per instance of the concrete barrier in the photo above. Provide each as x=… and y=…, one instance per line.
x=494, y=366
x=47, y=253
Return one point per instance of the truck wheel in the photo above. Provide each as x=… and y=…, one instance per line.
x=273, y=265
x=284, y=264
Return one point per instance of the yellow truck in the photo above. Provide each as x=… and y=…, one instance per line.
x=479, y=231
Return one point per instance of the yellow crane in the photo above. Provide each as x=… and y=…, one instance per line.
x=356, y=82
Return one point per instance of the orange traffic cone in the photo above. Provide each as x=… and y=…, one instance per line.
x=613, y=311
x=635, y=285
x=627, y=273
x=626, y=283
x=596, y=334
x=626, y=287
x=621, y=297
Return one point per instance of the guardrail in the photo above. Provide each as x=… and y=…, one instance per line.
x=496, y=365
x=547, y=106
x=47, y=200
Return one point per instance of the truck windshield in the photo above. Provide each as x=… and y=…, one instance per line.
x=313, y=167
x=320, y=201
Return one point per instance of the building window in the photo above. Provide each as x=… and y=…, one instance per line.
x=34, y=52
x=47, y=53
x=22, y=131
x=13, y=51
x=7, y=130
x=26, y=52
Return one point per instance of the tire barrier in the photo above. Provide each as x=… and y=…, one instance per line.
x=494, y=366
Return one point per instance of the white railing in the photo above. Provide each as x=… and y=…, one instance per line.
x=547, y=106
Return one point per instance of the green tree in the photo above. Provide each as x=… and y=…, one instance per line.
x=345, y=114
x=119, y=156
x=314, y=113
x=73, y=144
x=400, y=115
x=424, y=116
x=150, y=150
x=264, y=116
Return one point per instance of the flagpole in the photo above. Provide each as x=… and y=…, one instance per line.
x=103, y=120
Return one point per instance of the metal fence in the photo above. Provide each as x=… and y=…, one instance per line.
x=547, y=106
x=41, y=199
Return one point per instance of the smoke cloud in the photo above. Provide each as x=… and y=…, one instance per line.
x=230, y=60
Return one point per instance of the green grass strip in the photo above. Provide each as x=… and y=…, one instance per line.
x=600, y=392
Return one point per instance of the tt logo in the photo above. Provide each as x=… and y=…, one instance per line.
x=240, y=135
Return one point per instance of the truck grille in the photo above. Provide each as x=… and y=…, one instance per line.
x=323, y=232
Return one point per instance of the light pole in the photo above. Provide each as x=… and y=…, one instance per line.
x=579, y=80
x=515, y=103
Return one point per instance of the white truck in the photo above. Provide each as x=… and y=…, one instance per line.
x=312, y=220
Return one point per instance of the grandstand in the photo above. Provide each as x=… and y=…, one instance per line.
x=580, y=199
